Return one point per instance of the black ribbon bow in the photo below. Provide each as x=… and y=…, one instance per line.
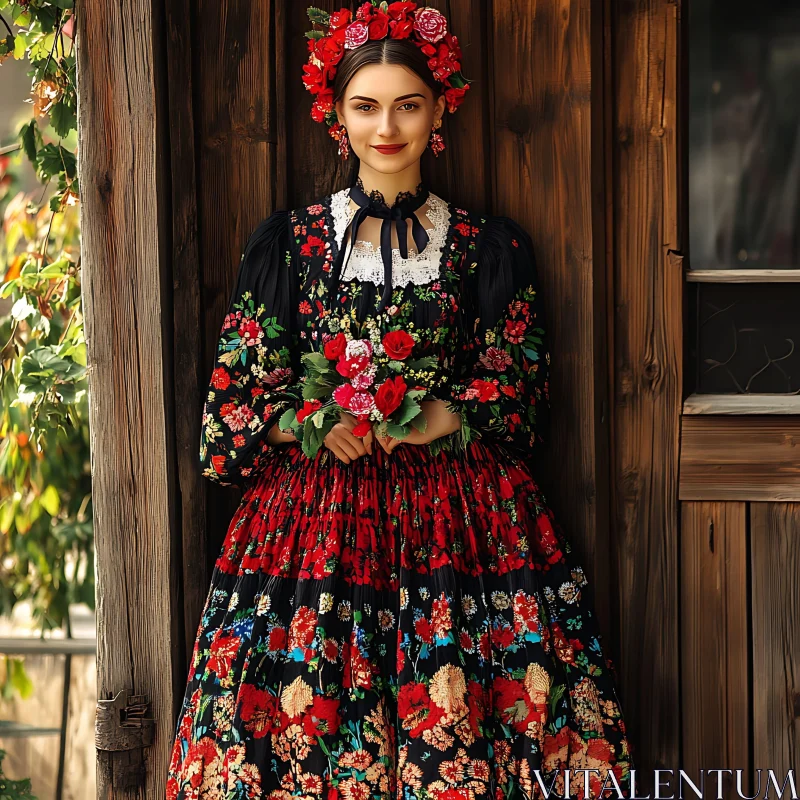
x=398, y=214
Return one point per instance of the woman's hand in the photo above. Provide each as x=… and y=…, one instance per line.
x=440, y=422
x=344, y=445
x=277, y=436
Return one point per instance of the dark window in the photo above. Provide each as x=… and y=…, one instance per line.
x=744, y=134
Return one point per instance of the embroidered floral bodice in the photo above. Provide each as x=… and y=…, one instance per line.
x=470, y=299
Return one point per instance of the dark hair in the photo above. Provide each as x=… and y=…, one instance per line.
x=384, y=51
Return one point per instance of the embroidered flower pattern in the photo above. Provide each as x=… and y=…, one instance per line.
x=406, y=626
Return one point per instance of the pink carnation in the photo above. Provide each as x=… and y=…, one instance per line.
x=343, y=394
x=365, y=379
x=430, y=24
x=359, y=348
x=361, y=403
x=355, y=35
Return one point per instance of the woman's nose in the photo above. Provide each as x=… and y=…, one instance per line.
x=387, y=127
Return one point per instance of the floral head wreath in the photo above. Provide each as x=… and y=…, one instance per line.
x=425, y=27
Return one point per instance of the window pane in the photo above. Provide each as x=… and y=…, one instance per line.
x=744, y=134
x=748, y=336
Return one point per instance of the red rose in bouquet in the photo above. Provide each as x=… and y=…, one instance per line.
x=390, y=395
x=375, y=379
x=334, y=348
x=398, y=345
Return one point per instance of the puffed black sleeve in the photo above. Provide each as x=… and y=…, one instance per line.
x=502, y=390
x=255, y=372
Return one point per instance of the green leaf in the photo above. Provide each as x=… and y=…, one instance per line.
x=272, y=328
x=318, y=16
x=63, y=118
x=315, y=34
x=50, y=500
x=407, y=411
x=317, y=360
x=396, y=431
x=20, y=679
x=53, y=159
x=288, y=419
x=420, y=422
x=28, y=136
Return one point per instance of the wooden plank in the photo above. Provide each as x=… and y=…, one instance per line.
x=740, y=458
x=775, y=599
x=466, y=133
x=647, y=297
x=540, y=56
x=125, y=224
x=189, y=381
x=237, y=124
x=742, y=404
x=743, y=275
x=714, y=641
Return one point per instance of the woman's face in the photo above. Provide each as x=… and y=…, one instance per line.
x=387, y=104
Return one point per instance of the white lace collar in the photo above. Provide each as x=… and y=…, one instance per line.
x=365, y=263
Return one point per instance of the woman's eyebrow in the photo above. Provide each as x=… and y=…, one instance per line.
x=397, y=99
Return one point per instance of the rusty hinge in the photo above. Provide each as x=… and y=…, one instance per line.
x=121, y=727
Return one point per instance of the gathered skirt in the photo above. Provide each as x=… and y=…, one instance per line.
x=405, y=626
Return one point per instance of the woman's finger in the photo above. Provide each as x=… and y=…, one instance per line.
x=337, y=451
x=383, y=441
x=355, y=443
x=368, y=441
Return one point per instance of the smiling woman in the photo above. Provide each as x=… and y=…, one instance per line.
x=395, y=612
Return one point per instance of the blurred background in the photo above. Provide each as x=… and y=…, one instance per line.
x=47, y=623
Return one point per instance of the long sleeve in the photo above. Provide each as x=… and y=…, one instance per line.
x=255, y=372
x=502, y=385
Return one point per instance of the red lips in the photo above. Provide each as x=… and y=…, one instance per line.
x=387, y=148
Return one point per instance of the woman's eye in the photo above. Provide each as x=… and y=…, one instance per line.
x=363, y=105
x=412, y=105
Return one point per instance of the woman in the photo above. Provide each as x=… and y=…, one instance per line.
x=392, y=616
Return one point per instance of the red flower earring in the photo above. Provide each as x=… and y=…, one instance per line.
x=339, y=132
x=436, y=143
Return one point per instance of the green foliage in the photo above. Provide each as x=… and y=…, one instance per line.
x=46, y=541
x=318, y=16
x=13, y=790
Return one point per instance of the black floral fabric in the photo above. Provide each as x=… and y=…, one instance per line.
x=410, y=625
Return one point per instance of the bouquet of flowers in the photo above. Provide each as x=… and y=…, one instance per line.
x=375, y=379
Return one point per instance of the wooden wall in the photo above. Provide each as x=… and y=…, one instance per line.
x=190, y=138
x=644, y=265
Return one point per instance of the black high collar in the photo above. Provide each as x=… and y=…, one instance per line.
x=405, y=205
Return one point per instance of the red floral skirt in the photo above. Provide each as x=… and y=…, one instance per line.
x=405, y=626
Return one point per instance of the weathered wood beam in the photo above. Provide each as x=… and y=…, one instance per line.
x=127, y=302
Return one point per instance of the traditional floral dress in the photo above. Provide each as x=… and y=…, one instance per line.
x=407, y=625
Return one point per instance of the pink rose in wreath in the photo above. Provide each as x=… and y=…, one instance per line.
x=355, y=35
x=430, y=24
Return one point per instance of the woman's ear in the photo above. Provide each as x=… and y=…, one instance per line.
x=441, y=106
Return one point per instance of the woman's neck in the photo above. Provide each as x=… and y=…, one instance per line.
x=390, y=185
